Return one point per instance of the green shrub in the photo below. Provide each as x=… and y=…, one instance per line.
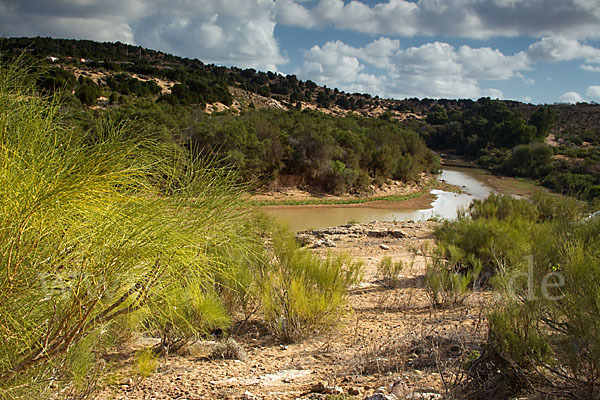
x=97, y=227
x=548, y=324
x=497, y=244
x=146, y=363
x=448, y=280
x=554, y=208
x=302, y=294
x=543, y=333
x=503, y=207
x=388, y=272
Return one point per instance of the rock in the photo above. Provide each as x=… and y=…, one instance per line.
x=329, y=243
x=322, y=387
x=381, y=396
x=377, y=233
x=317, y=244
x=304, y=239
x=398, y=234
x=424, y=396
x=399, y=388
x=354, y=391
x=384, y=247
x=248, y=396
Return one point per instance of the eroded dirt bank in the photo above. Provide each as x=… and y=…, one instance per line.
x=390, y=341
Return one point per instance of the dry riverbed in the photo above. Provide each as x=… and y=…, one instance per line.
x=391, y=340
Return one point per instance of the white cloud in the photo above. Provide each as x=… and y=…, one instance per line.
x=232, y=32
x=591, y=68
x=552, y=49
x=337, y=65
x=593, y=92
x=293, y=14
x=236, y=32
x=459, y=18
x=493, y=93
x=431, y=70
x=571, y=97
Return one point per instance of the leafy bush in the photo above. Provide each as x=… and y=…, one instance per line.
x=302, y=294
x=496, y=244
x=553, y=208
x=388, y=272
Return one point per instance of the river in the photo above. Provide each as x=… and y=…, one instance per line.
x=446, y=205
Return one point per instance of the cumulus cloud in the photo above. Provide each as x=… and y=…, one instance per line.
x=70, y=19
x=571, y=97
x=593, y=92
x=552, y=49
x=233, y=32
x=459, y=18
x=239, y=32
x=431, y=70
x=337, y=64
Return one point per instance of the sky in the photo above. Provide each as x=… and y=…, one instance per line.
x=537, y=51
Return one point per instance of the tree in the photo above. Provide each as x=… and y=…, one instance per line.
x=543, y=119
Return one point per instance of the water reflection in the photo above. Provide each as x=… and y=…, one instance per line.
x=446, y=205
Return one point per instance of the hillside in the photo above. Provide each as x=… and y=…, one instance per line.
x=101, y=60
x=134, y=82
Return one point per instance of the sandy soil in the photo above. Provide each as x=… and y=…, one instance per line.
x=391, y=340
x=390, y=188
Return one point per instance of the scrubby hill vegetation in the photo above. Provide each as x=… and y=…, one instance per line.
x=268, y=146
x=556, y=145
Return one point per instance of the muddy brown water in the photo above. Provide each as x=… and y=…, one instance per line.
x=446, y=205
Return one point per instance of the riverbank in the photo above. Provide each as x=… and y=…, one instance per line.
x=391, y=340
x=392, y=194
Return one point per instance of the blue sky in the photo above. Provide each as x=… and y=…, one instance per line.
x=539, y=51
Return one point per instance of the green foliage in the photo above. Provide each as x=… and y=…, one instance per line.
x=529, y=160
x=501, y=140
x=185, y=312
x=145, y=362
x=332, y=154
x=388, y=272
x=98, y=226
x=328, y=154
x=489, y=124
x=503, y=208
x=301, y=294
x=553, y=208
x=543, y=119
x=87, y=92
x=549, y=320
x=450, y=275
x=546, y=265
x=492, y=236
